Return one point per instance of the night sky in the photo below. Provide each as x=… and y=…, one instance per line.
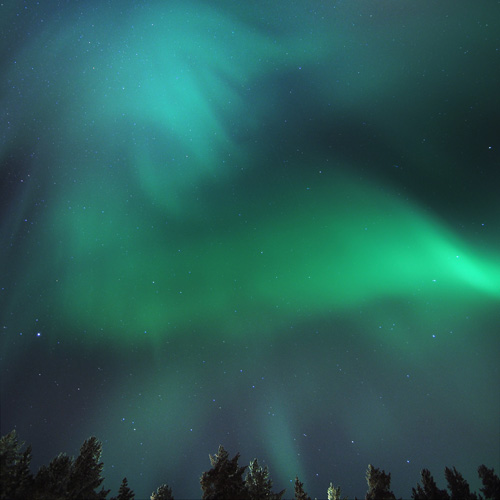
x=269, y=225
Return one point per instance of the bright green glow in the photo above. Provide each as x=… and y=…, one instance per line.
x=156, y=116
x=166, y=210
x=346, y=245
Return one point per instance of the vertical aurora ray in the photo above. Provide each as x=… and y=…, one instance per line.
x=271, y=227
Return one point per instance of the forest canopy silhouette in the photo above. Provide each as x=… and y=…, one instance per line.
x=81, y=478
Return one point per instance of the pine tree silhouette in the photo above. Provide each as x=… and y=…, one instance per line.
x=86, y=472
x=224, y=480
x=429, y=489
x=334, y=493
x=16, y=479
x=379, y=484
x=458, y=486
x=258, y=483
x=52, y=481
x=300, y=494
x=164, y=492
x=124, y=493
x=491, y=483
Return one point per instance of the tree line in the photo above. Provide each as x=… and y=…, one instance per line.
x=80, y=478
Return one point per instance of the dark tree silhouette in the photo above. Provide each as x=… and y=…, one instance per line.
x=164, y=492
x=458, y=486
x=379, y=484
x=16, y=479
x=67, y=478
x=86, y=472
x=491, y=483
x=258, y=483
x=224, y=480
x=124, y=493
x=52, y=481
x=429, y=489
x=300, y=494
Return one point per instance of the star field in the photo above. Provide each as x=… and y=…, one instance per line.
x=269, y=226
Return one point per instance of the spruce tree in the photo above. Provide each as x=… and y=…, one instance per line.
x=52, y=481
x=300, y=494
x=458, y=486
x=379, y=484
x=258, y=484
x=429, y=489
x=334, y=493
x=164, y=492
x=86, y=472
x=124, y=493
x=16, y=479
x=491, y=483
x=224, y=480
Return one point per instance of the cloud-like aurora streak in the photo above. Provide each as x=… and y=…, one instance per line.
x=334, y=247
x=192, y=223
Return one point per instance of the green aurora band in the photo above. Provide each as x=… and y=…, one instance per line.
x=344, y=246
x=160, y=105
x=163, y=200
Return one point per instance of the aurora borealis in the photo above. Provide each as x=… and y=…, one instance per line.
x=269, y=225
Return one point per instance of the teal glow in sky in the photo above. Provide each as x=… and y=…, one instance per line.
x=270, y=227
